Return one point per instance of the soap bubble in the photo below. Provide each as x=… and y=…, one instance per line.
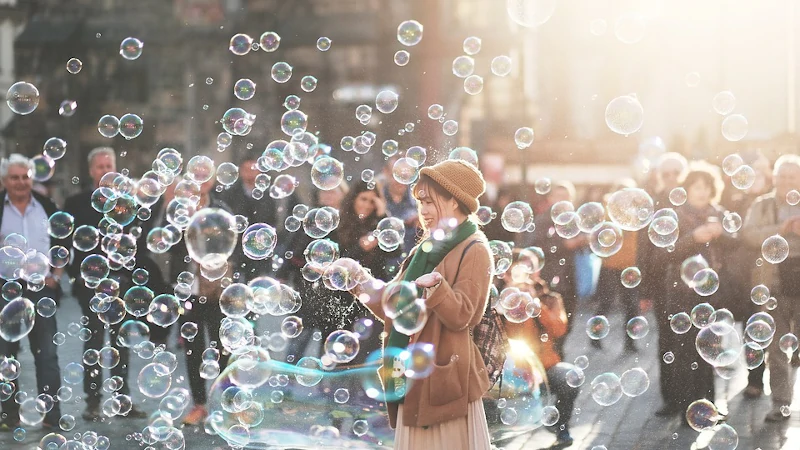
x=625, y=115
x=724, y=102
x=131, y=48
x=731, y=222
x=473, y=84
x=731, y=162
x=605, y=239
x=550, y=415
x=240, y=44
x=680, y=323
x=575, y=377
x=501, y=65
x=637, y=327
x=402, y=57
x=67, y=108
x=60, y=225
x=677, y=196
x=409, y=33
x=523, y=137
x=17, y=319
x=293, y=122
x=210, y=237
x=631, y=277
x=597, y=327
x=133, y=333
x=725, y=438
x=74, y=65
x=705, y=282
x=701, y=315
x=463, y=66
x=634, y=382
x=775, y=249
x=327, y=173
x=309, y=371
x=598, y=27
x=54, y=148
x=269, y=41
x=606, y=389
x=690, y=267
x=788, y=344
x=405, y=171
x=281, y=72
x=386, y=101
x=517, y=217
x=630, y=208
x=154, y=380
x=530, y=13
x=108, y=126
x=323, y=44
x=735, y=127
x=244, y=89
x=130, y=126
x=165, y=310
x=759, y=294
x=718, y=344
x=702, y=415
x=630, y=28
x=308, y=83
x=590, y=214
x=22, y=98
x=450, y=127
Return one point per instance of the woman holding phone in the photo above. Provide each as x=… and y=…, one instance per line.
x=685, y=377
x=452, y=269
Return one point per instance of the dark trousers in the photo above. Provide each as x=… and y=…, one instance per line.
x=45, y=357
x=564, y=393
x=609, y=288
x=207, y=316
x=680, y=384
x=93, y=375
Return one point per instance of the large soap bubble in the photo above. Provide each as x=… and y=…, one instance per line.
x=630, y=208
x=17, y=319
x=211, y=237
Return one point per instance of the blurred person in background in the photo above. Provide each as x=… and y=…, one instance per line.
x=559, y=277
x=25, y=213
x=201, y=315
x=610, y=281
x=495, y=231
x=102, y=161
x=688, y=378
x=552, y=321
x=401, y=204
x=777, y=213
x=738, y=201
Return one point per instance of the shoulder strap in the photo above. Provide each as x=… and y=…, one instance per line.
x=462, y=258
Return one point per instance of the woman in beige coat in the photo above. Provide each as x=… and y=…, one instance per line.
x=452, y=269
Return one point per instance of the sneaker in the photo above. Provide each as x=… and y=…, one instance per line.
x=630, y=347
x=596, y=344
x=563, y=440
x=136, y=413
x=752, y=392
x=196, y=416
x=91, y=413
x=776, y=415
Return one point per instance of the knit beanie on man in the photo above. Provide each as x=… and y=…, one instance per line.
x=460, y=179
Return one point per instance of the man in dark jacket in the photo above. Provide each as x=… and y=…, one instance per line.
x=102, y=160
x=25, y=213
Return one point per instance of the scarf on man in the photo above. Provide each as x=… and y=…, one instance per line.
x=428, y=255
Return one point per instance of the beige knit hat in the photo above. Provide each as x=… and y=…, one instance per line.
x=459, y=178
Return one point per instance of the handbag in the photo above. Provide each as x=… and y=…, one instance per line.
x=490, y=336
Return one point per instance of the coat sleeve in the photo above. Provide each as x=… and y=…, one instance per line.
x=758, y=224
x=461, y=304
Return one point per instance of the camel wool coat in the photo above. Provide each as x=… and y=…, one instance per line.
x=456, y=304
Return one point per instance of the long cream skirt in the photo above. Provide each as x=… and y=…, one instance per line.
x=467, y=433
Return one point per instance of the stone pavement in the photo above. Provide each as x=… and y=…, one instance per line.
x=631, y=422
x=628, y=424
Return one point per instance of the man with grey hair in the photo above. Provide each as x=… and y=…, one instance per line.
x=102, y=161
x=24, y=216
x=778, y=213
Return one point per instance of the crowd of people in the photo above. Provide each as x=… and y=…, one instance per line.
x=695, y=192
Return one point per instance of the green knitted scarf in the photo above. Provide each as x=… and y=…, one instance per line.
x=428, y=255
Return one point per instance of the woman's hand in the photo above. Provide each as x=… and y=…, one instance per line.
x=368, y=242
x=380, y=206
x=429, y=280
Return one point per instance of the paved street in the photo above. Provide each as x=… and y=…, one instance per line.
x=628, y=424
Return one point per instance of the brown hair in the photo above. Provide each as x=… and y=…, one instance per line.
x=426, y=187
x=708, y=174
